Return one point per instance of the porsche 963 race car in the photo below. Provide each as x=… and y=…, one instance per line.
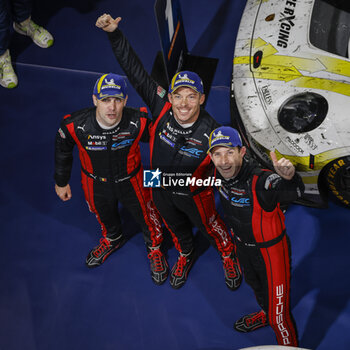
x=290, y=90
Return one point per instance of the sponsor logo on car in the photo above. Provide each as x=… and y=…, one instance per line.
x=294, y=145
x=286, y=23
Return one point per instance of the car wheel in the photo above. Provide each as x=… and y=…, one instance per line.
x=337, y=179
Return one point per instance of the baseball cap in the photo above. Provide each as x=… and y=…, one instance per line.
x=224, y=136
x=110, y=85
x=188, y=79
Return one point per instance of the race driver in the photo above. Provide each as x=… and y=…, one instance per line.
x=178, y=141
x=251, y=199
x=107, y=136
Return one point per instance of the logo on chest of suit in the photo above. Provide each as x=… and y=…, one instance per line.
x=134, y=123
x=111, y=132
x=81, y=127
x=177, y=131
x=239, y=198
x=172, y=138
x=121, y=144
x=194, y=141
x=97, y=137
x=121, y=135
x=166, y=140
x=238, y=191
x=95, y=148
x=224, y=193
x=191, y=152
x=97, y=143
x=168, y=135
x=240, y=201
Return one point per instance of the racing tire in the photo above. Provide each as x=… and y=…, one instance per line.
x=337, y=180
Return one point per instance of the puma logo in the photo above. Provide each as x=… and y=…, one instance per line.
x=134, y=124
x=81, y=127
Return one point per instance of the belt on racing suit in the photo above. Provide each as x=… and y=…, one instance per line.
x=187, y=193
x=115, y=179
x=266, y=244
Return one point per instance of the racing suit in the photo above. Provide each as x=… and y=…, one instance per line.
x=111, y=169
x=251, y=202
x=175, y=149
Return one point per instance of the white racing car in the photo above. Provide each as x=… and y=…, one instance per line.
x=291, y=86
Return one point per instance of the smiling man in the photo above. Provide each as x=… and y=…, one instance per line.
x=187, y=99
x=107, y=137
x=178, y=141
x=251, y=199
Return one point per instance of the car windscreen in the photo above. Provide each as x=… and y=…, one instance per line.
x=330, y=26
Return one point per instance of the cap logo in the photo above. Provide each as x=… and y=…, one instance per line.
x=224, y=136
x=110, y=85
x=184, y=78
x=111, y=82
x=219, y=133
x=219, y=137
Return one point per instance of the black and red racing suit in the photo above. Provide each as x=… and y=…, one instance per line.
x=251, y=202
x=175, y=149
x=111, y=169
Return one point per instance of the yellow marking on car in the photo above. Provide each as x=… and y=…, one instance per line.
x=307, y=64
x=336, y=65
x=241, y=60
x=303, y=163
x=261, y=44
x=277, y=72
x=315, y=64
x=309, y=180
x=323, y=84
x=257, y=2
x=287, y=68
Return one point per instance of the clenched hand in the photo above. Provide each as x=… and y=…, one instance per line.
x=283, y=166
x=107, y=23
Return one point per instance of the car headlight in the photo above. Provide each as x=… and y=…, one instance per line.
x=303, y=112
